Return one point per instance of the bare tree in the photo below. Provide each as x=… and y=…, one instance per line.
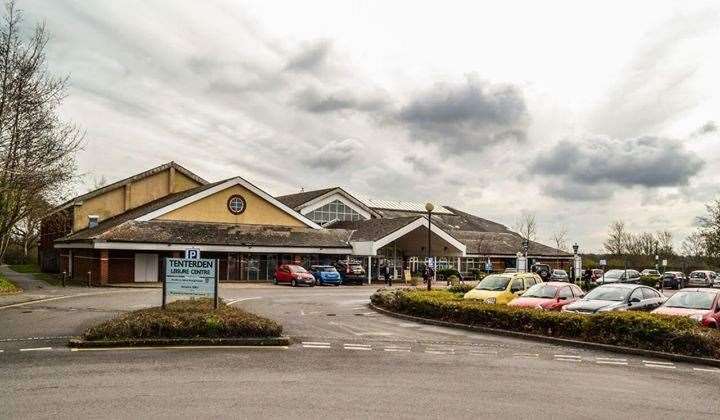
x=664, y=240
x=693, y=246
x=37, y=149
x=710, y=229
x=526, y=226
x=618, y=238
x=560, y=238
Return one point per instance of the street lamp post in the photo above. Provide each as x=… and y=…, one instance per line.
x=429, y=207
x=575, y=255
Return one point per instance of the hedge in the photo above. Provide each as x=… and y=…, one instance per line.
x=642, y=330
x=185, y=319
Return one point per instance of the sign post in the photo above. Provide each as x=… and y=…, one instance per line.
x=190, y=278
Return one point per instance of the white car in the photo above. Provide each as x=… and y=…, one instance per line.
x=702, y=278
x=716, y=283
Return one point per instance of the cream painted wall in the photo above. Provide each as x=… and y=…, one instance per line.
x=105, y=206
x=214, y=209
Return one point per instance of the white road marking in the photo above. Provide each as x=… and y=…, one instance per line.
x=316, y=343
x=562, y=359
x=612, y=359
x=533, y=355
x=364, y=347
x=658, y=363
x=608, y=362
x=37, y=349
x=397, y=350
x=242, y=299
x=182, y=348
x=313, y=346
x=707, y=370
x=659, y=366
x=1, y=350
x=567, y=356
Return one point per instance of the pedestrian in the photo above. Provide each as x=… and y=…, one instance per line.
x=386, y=272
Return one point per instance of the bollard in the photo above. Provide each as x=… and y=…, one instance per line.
x=63, y=278
x=89, y=278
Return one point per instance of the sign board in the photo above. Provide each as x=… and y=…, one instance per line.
x=521, y=264
x=578, y=267
x=190, y=278
x=192, y=254
x=488, y=266
x=603, y=262
x=430, y=262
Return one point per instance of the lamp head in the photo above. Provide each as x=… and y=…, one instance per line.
x=429, y=207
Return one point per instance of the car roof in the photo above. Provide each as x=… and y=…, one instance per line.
x=556, y=283
x=700, y=289
x=621, y=285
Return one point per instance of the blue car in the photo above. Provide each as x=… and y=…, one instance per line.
x=325, y=274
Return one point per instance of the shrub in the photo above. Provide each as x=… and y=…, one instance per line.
x=461, y=288
x=7, y=287
x=446, y=273
x=631, y=329
x=185, y=319
x=651, y=281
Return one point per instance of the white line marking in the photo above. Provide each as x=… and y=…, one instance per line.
x=182, y=348
x=242, y=299
x=316, y=343
x=526, y=355
x=356, y=345
x=357, y=348
x=1, y=350
x=435, y=352
x=313, y=346
x=398, y=350
x=567, y=356
x=603, y=362
x=658, y=363
x=612, y=359
x=562, y=359
x=659, y=366
x=707, y=370
x=37, y=349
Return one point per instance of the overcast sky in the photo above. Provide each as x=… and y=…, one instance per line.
x=581, y=113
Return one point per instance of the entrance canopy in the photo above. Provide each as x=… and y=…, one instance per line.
x=409, y=234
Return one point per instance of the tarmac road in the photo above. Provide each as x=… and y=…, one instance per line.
x=348, y=362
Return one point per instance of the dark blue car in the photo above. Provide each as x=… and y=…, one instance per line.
x=325, y=274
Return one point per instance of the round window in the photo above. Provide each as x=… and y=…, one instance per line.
x=236, y=204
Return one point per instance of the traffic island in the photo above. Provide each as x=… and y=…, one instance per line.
x=674, y=338
x=184, y=323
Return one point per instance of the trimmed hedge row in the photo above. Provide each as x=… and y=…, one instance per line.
x=630, y=329
x=185, y=319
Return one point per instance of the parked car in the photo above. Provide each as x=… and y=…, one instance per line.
x=510, y=270
x=717, y=279
x=550, y=296
x=619, y=276
x=674, y=279
x=702, y=278
x=542, y=270
x=351, y=273
x=293, y=274
x=502, y=288
x=325, y=274
x=597, y=273
x=559, y=275
x=702, y=305
x=650, y=272
x=617, y=297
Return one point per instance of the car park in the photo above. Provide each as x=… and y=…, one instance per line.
x=702, y=278
x=702, y=305
x=550, y=296
x=597, y=273
x=674, y=280
x=559, y=275
x=351, y=272
x=542, y=270
x=325, y=274
x=293, y=275
x=619, y=276
x=617, y=297
x=502, y=288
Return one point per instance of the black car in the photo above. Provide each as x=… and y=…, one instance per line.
x=617, y=297
x=351, y=273
x=674, y=279
x=542, y=270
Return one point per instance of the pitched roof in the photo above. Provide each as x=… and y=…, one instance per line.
x=373, y=229
x=502, y=243
x=177, y=232
x=298, y=199
x=133, y=178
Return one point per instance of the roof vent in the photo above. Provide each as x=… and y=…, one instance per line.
x=93, y=220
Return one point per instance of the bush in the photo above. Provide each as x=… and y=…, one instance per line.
x=7, y=287
x=631, y=329
x=185, y=319
x=651, y=281
x=446, y=273
x=461, y=288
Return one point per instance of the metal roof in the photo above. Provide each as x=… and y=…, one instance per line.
x=374, y=203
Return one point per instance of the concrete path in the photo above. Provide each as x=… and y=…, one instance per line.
x=33, y=289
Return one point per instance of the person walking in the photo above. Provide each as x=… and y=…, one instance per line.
x=386, y=273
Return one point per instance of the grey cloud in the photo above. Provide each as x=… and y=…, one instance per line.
x=421, y=165
x=468, y=116
x=602, y=160
x=573, y=191
x=311, y=58
x=707, y=128
x=312, y=100
x=334, y=155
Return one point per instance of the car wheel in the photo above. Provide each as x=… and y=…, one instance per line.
x=318, y=283
x=293, y=283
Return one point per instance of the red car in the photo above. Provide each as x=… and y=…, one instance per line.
x=550, y=296
x=702, y=305
x=293, y=274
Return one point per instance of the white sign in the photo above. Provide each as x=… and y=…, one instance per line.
x=664, y=262
x=431, y=262
x=521, y=264
x=190, y=278
x=578, y=266
x=603, y=262
x=192, y=254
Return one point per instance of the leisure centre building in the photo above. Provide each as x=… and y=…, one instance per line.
x=122, y=232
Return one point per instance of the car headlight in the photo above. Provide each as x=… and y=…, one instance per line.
x=697, y=317
x=490, y=300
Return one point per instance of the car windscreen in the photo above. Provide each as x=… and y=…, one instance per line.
x=326, y=269
x=493, y=282
x=691, y=300
x=617, y=294
x=697, y=275
x=616, y=274
x=297, y=269
x=541, y=290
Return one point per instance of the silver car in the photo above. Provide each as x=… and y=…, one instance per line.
x=702, y=278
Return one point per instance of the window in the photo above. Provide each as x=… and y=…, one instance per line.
x=577, y=291
x=517, y=285
x=530, y=282
x=565, y=292
x=335, y=210
x=636, y=294
x=650, y=294
x=236, y=204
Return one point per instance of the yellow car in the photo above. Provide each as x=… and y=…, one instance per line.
x=502, y=288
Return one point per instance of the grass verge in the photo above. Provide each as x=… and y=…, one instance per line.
x=185, y=319
x=679, y=335
x=7, y=287
x=49, y=278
